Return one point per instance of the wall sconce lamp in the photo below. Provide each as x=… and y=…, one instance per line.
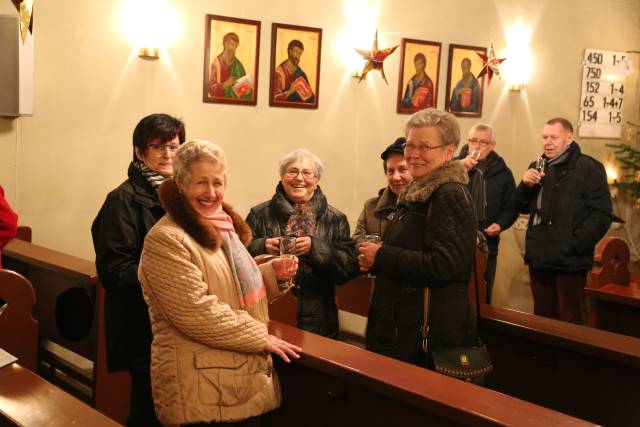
x=518, y=68
x=150, y=26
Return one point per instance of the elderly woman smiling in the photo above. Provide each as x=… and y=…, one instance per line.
x=326, y=254
x=430, y=243
x=208, y=301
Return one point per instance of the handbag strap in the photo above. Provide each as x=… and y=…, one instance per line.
x=427, y=291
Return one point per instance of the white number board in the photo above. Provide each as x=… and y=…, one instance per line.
x=602, y=95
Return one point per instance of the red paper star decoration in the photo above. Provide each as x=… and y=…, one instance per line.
x=490, y=65
x=375, y=58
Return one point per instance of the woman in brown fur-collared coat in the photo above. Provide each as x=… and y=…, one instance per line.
x=430, y=243
x=207, y=298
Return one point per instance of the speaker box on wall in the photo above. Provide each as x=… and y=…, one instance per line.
x=16, y=69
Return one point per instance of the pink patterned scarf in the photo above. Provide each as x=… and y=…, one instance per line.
x=248, y=278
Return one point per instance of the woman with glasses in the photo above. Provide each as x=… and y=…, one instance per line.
x=118, y=233
x=326, y=253
x=430, y=243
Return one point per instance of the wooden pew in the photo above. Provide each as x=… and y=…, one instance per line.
x=585, y=372
x=614, y=302
x=18, y=329
x=340, y=385
x=55, y=276
x=51, y=273
x=30, y=401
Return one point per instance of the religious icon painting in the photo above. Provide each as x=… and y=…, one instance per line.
x=231, y=53
x=419, y=74
x=464, y=90
x=295, y=66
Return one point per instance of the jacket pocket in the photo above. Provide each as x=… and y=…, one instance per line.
x=229, y=379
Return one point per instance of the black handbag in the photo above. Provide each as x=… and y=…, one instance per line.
x=465, y=363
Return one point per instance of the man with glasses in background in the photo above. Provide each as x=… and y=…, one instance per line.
x=493, y=189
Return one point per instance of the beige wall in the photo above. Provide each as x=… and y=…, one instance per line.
x=90, y=91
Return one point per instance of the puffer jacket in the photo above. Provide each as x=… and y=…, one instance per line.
x=430, y=243
x=330, y=262
x=207, y=359
x=118, y=233
x=575, y=214
x=376, y=215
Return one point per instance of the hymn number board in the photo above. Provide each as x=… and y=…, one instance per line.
x=602, y=93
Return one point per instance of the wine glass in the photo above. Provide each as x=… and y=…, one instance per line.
x=541, y=163
x=370, y=238
x=287, y=251
x=475, y=154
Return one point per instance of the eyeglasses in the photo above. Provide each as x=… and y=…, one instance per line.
x=482, y=142
x=423, y=148
x=160, y=148
x=293, y=173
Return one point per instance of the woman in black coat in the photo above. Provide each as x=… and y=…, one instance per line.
x=430, y=243
x=118, y=235
x=326, y=253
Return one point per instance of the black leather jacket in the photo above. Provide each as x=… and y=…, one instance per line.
x=330, y=262
x=118, y=233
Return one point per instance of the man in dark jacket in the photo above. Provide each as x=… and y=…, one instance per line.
x=570, y=210
x=118, y=233
x=490, y=180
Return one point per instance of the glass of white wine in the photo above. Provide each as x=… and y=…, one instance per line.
x=475, y=154
x=287, y=250
x=370, y=238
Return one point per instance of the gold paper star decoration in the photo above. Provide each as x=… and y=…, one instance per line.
x=490, y=65
x=375, y=58
x=25, y=9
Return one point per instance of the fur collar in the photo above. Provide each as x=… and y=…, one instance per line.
x=193, y=223
x=421, y=189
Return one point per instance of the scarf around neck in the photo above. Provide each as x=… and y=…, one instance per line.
x=245, y=271
x=153, y=177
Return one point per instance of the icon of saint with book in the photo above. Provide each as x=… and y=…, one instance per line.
x=419, y=92
x=290, y=82
x=466, y=92
x=228, y=79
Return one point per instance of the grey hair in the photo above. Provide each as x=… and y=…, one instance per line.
x=483, y=127
x=193, y=151
x=298, y=154
x=445, y=122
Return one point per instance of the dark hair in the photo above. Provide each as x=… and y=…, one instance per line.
x=295, y=43
x=420, y=55
x=230, y=36
x=154, y=126
x=566, y=124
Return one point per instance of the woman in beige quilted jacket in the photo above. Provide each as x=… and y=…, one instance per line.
x=211, y=351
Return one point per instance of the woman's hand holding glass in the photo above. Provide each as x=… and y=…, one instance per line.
x=288, y=252
x=272, y=245
x=285, y=268
x=367, y=253
x=303, y=245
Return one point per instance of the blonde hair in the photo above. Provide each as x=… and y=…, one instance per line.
x=446, y=123
x=193, y=151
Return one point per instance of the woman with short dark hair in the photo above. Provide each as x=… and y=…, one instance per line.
x=118, y=233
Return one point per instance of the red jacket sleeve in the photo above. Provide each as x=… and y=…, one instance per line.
x=8, y=221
